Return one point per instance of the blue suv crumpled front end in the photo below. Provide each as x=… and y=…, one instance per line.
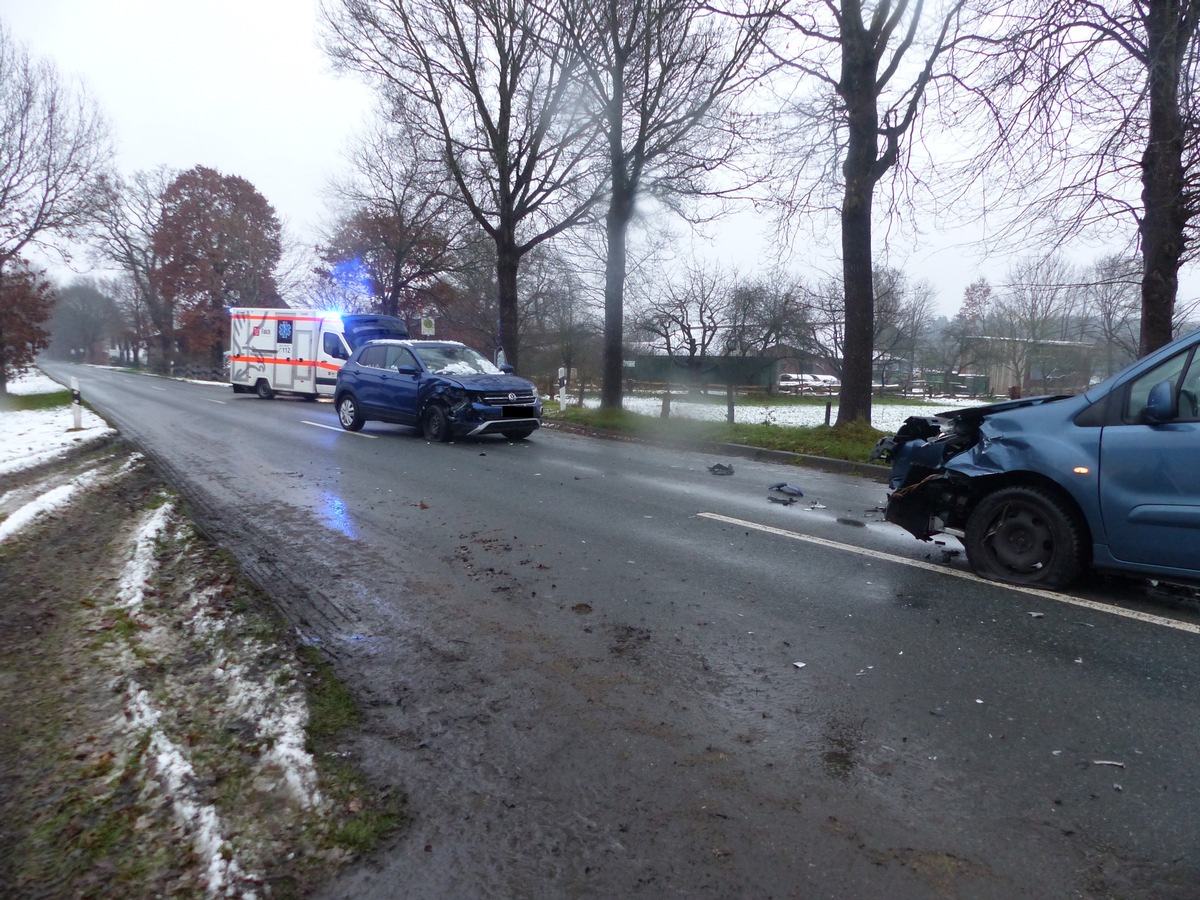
x=445, y=388
x=487, y=404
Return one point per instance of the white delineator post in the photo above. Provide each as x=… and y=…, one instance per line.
x=562, y=389
x=76, y=404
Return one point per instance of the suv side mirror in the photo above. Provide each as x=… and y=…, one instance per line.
x=507, y=369
x=408, y=370
x=1160, y=405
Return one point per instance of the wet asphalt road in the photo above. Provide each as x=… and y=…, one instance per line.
x=578, y=659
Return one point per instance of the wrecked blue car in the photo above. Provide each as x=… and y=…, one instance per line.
x=444, y=388
x=1039, y=490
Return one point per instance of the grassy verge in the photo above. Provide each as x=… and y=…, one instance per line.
x=105, y=695
x=850, y=442
x=18, y=402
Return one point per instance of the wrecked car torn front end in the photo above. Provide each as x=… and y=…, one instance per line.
x=943, y=465
x=926, y=498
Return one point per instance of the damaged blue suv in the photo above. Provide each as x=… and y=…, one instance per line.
x=1039, y=490
x=442, y=387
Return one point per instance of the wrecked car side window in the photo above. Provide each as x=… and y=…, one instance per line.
x=1189, y=391
x=1139, y=388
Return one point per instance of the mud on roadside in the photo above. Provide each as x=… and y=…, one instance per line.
x=162, y=733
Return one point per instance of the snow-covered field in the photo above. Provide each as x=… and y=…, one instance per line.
x=31, y=437
x=883, y=417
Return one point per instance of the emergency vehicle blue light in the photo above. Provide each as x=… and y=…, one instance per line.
x=352, y=276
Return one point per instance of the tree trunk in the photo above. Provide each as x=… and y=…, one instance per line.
x=1165, y=214
x=3, y=355
x=854, y=399
x=617, y=225
x=508, y=260
x=858, y=168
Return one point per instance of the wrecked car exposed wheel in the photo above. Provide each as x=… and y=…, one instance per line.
x=436, y=423
x=1025, y=535
x=349, y=414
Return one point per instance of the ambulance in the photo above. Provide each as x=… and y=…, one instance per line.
x=298, y=351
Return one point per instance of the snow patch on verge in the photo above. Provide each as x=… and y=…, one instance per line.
x=179, y=778
x=46, y=503
x=31, y=437
x=48, y=496
x=232, y=693
x=141, y=566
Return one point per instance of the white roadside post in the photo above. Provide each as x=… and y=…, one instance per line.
x=76, y=404
x=562, y=389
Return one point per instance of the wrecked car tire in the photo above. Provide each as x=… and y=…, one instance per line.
x=436, y=423
x=349, y=414
x=1025, y=535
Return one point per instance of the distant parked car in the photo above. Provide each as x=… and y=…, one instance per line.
x=793, y=384
x=443, y=387
x=1039, y=489
x=805, y=384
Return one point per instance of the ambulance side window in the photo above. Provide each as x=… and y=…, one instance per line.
x=333, y=346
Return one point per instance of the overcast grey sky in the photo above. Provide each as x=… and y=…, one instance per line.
x=240, y=86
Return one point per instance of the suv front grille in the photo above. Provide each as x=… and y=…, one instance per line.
x=519, y=398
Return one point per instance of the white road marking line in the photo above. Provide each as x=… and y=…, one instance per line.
x=1149, y=618
x=335, y=428
x=211, y=400
x=157, y=388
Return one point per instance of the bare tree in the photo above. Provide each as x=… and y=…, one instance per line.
x=872, y=74
x=53, y=141
x=127, y=215
x=958, y=345
x=1027, y=319
x=1111, y=292
x=913, y=325
x=85, y=317
x=766, y=311
x=665, y=75
x=687, y=316
x=559, y=311
x=827, y=321
x=492, y=84
x=1092, y=99
x=135, y=330
x=397, y=221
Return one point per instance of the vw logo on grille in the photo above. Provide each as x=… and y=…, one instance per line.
x=512, y=398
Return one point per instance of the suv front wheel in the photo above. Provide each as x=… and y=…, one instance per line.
x=436, y=423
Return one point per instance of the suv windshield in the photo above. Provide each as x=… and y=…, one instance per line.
x=450, y=359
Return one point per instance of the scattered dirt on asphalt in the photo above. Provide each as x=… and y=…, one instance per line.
x=162, y=734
